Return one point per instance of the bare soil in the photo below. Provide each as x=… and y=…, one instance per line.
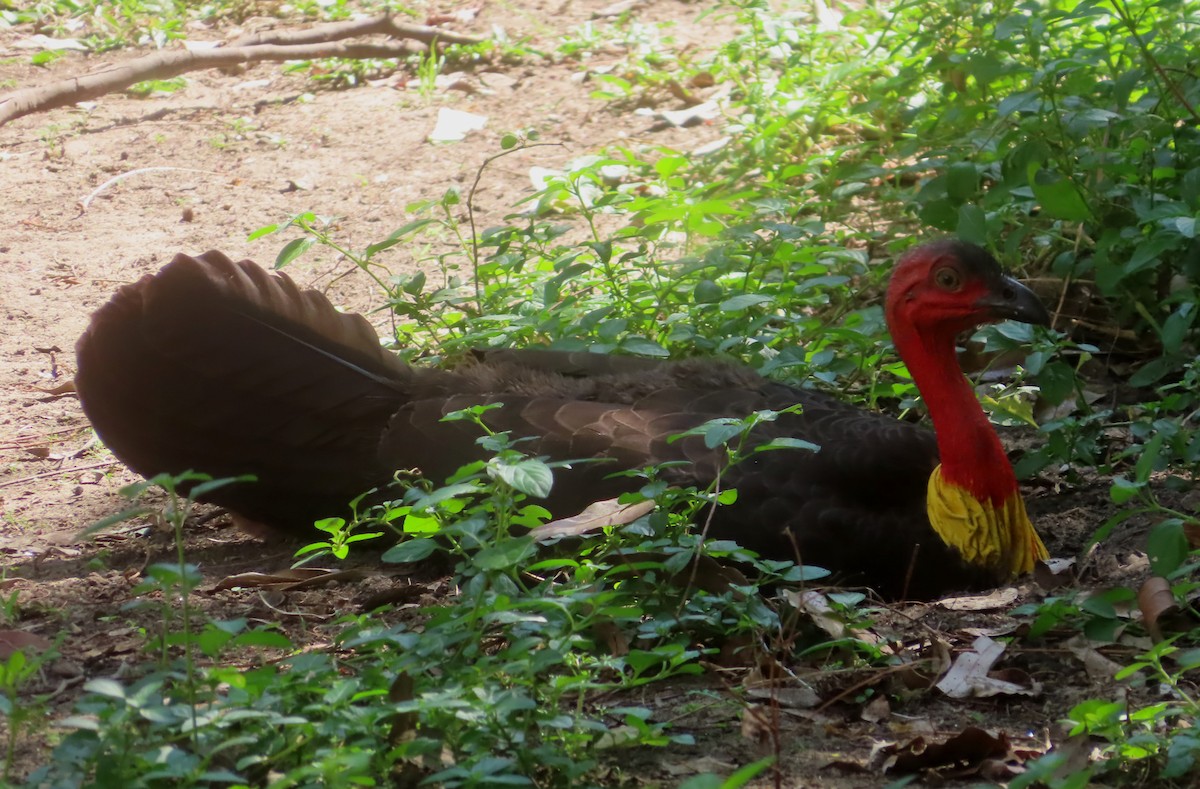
x=204, y=167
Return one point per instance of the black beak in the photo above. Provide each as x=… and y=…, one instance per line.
x=1010, y=300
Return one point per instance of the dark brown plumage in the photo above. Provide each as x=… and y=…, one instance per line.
x=221, y=367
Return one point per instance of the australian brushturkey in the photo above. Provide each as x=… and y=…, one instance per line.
x=224, y=368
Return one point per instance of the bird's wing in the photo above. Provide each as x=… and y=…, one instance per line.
x=600, y=437
x=573, y=364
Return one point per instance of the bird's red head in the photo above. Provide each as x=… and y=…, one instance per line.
x=947, y=287
x=938, y=291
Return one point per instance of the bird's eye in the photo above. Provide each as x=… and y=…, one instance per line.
x=947, y=278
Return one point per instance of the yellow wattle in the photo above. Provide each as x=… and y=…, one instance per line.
x=1000, y=539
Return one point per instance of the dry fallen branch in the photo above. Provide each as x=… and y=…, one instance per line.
x=319, y=42
x=380, y=24
x=87, y=201
x=57, y=472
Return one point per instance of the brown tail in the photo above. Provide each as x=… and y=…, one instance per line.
x=221, y=367
x=226, y=369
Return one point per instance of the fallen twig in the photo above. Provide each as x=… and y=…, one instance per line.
x=55, y=472
x=319, y=42
x=87, y=201
x=337, y=31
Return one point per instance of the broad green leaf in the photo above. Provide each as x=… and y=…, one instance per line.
x=1167, y=547
x=962, y=180
x=972, y=224
x=1016, y=165
x=942, y=214
x=786, y=442
x=413, y=550
x=1186, y=225
x=1058, y=195
x=531, y=477
x=1189, y=187
x=644, y=347
x=398, y=235
x=744, y=301
x=262, y=638
x=1177, y=325
x=440, y=495
x=1150, y=372
x=417, y=524
x=106, y=687
x=1148, y=457
x=707, y=292
x=1123, y=489
x=265, y=230
x=1029, y=101
x=1057, y=382
x=505, y=554
x=717, y=434
x=292, y=250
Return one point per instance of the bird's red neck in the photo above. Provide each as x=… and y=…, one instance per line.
x=971, y=455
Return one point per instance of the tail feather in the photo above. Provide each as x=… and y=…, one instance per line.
x=224, y=368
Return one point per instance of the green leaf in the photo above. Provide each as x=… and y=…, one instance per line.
x=1150, y=372
x=106, y=687
x=1189, y=187
x=745, y=301
x=644, y=347
x=1148, y=457
x=1057, y=382
x=1186, y=225
x=786, y=442
x=1148, y=253
x=1099, y=605
x=1058, y=195
x=330, y=525
x=718, y=433
x=415, y=284
x=1177, y=325
x=1107, y=527
x=505, y=554
x=208, y=486
x=418, y=524
x=1019, y=102
x=972, y=224
x=265, y=230
x=292, y=250
x=430, y=500
x=409, y=551
x=942, y=214
x=1101, y=629
x=531, y=477
x=398, y=235
x=1123, y=489
x=962, y=180
x=47, y=56
x=707, y=292
x=1010, y=24
x=1167, y=547
x=262, y=638
x=1016, y=165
